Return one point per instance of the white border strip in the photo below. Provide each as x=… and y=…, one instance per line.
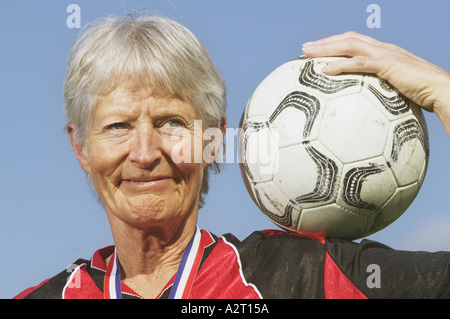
x=70, y=278
x=240, y=267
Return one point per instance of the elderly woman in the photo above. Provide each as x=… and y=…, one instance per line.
x=139, y=94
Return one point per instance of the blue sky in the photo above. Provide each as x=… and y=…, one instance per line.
x=48, y=214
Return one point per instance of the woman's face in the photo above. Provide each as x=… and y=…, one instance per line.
x=140, y=155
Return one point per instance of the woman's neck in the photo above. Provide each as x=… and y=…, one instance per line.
x=149, y=257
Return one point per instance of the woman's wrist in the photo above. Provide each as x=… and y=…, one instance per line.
x=441, y=106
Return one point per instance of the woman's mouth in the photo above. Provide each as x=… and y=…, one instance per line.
x=145, y=182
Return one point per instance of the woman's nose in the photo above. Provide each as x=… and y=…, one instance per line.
x=145, y=148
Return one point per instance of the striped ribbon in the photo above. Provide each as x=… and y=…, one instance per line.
x=112, y=288
x=187, y=270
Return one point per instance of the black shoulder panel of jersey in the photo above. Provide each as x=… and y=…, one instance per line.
x=282, y=265
x=401, y=274
x=53, y=288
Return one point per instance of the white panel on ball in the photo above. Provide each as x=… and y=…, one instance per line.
x=333, y=221
x=353, y=128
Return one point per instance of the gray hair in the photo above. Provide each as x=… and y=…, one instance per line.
x=154, y=52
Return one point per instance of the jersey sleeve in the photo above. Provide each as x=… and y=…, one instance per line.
x=379, y=271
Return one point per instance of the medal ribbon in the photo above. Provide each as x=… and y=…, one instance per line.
x=187, y=270
x=111, y=287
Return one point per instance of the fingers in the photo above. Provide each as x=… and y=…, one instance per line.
x=345, y=36
x=346, y=44
x=365, y=53
x=351, y=44
x=359, y=64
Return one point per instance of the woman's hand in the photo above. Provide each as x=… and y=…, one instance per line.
x=423, y=82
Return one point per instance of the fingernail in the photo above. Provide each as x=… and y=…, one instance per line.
x=308, y=44
x=327, y=69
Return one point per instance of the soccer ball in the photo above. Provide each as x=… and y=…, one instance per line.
x=343, y=156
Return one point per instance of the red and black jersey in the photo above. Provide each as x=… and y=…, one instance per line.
x=276, y=264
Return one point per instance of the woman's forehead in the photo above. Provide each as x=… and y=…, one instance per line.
x=131, y=99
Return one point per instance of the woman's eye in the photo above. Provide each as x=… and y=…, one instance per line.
x=175, y=123
x=117, y=126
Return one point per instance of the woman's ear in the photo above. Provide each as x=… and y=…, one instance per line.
x=79, y=150
x=211, y=151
